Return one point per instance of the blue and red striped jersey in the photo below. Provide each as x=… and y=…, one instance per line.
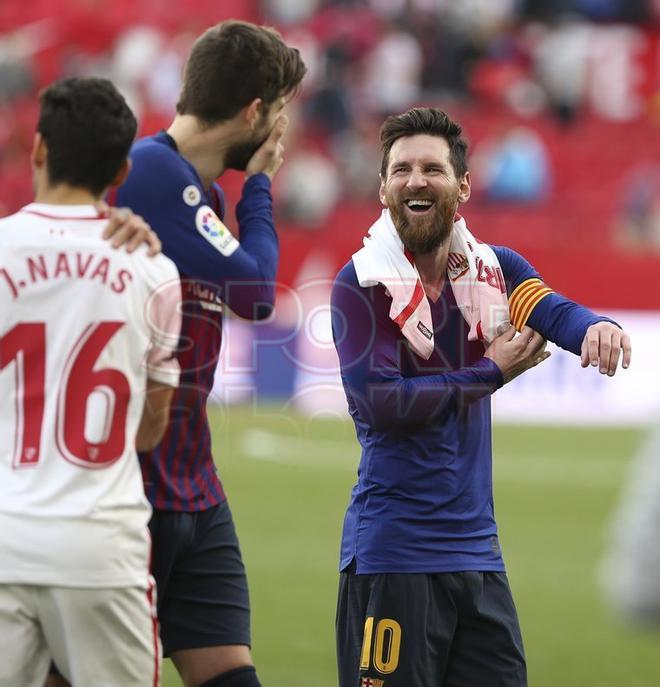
x=423, y=501
x=217, y=271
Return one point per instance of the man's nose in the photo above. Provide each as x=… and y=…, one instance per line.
x=416, y=179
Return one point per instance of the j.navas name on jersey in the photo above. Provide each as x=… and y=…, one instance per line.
x=64, y=265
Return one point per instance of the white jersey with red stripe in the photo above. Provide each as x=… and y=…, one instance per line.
x=82, y=326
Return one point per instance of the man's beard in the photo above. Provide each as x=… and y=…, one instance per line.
x=239, y=155
x=427, y=232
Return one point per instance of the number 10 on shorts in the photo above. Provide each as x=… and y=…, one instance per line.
x=386, y=642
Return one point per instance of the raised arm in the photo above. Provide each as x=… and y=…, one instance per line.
x=164, y=189
x=598, y=340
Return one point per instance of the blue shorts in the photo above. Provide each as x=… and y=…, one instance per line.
x=202, y=589
x=428, y=630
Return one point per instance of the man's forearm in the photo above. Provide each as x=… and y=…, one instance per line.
x=416, y=401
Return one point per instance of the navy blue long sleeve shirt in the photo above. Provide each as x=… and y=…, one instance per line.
x=217, y=271
x=423, y=499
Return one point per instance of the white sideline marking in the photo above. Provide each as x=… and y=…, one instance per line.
x=267, y=446
x=270, y=447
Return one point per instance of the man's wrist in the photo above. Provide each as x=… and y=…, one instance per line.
x=489, y=371
x=258, y=177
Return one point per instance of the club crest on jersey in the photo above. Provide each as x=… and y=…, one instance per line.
x=191, y=195
x=371, y=682
x=214, y=231
x=457, y=265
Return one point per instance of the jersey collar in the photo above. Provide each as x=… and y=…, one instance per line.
x=62, y=211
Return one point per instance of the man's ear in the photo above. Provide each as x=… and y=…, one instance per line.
x=465, y=188
x=253, y=112
x=381, y=191
x=121, y=175
x=39, y=153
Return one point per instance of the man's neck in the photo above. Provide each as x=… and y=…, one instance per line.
x=432, y=268
x=63, y=194
x=204, y=148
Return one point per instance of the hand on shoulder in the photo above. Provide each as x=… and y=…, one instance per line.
x=127, y=229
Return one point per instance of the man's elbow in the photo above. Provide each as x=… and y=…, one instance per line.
x=257, y=312
x=379, y=416
x=263, y=311
x=256, y=305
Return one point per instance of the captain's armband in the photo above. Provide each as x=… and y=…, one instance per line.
x=525, y=297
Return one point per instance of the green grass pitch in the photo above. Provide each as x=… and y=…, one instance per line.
x=288, y=480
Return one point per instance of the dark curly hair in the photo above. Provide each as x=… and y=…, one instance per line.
x=88, y=129
x=233, y=63
x=424, y=120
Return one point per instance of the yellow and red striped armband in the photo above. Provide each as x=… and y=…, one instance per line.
x=524, y=299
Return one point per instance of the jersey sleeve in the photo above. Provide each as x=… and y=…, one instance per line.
x=367, y=343
x=532, y=302
x=165, y=191
x=163, y=315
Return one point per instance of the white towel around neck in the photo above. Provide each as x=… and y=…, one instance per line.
x=472, y=269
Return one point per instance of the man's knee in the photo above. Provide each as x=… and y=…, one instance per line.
x=216, y=665
x=246, y=676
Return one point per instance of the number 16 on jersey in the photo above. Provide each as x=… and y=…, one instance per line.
x=25, y=346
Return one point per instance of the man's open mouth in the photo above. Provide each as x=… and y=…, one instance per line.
x=419, y=205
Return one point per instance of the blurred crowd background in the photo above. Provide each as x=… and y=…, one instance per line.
x=560, y=101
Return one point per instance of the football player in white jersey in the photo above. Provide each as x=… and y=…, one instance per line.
x=87, y=368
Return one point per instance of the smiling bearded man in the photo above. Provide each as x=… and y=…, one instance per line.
x=420, y=320
x=422, y=203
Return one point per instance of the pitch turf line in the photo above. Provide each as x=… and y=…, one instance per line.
x=272, y=447
x=260, y=444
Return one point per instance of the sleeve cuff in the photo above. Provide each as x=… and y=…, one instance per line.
x=255, y=198
x=259, y=180
x=606, y=319
x=489, y=372
x=164, y=376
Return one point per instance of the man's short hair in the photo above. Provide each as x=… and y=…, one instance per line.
x=233, y=63
x=424, y=120
x=88, y=129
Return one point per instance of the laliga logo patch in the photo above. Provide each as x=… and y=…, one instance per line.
x=191, y=195
x=214, y=231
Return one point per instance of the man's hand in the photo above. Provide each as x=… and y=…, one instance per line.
x=602, y=345
x=269, y=156
x=127, y=229
x=516, y=354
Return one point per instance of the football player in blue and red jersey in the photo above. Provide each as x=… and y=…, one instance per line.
x=237, y=81
x=424, y=598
